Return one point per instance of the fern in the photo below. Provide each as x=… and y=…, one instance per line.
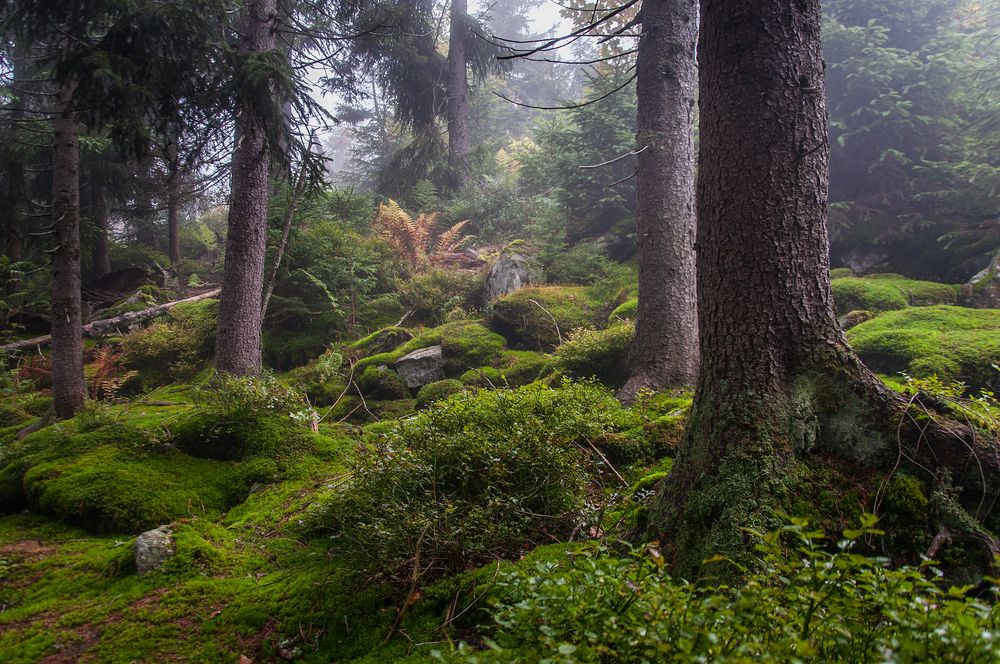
x=411, y=239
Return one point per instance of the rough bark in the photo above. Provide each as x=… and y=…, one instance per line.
x=665, y=349
x=778, y=382
x=108, y=326
x=99, y=208
x=68, y=388
x=459, y=141
x=238, y=339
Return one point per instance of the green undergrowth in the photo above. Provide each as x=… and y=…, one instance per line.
x=887, y=292
x=952, y=343
x=464, y=344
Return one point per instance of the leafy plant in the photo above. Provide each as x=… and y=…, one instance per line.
x=413, y=239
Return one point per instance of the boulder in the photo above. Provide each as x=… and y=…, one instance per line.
x=152, y=549
x=508, y=274
x=421, y=367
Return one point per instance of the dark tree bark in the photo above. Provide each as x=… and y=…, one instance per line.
x=68, y=388
x=665, y=349
x=99, y=208
x=778, y=383
x=238, y=339
x=459, y=141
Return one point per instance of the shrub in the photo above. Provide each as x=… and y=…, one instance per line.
x=471, y=478
x=435, y=294
x=599, y=353
x=808, y=601
x=582, y=264
x=438, y=390
x=952, y=343
x=174, y=349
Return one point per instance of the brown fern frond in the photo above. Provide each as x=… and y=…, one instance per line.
x=449, y=241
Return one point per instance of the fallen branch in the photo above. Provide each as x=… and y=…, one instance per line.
x=101, y=328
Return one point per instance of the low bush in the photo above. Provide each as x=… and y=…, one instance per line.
x=435, y=294
x=598, y=353
x=808, y=601
x=173, y=349
x=477, y=476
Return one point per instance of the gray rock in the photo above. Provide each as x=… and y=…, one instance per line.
x=509, y=273
x=152, y=549
x=421, y=367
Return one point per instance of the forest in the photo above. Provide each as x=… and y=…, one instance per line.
x=524, y=331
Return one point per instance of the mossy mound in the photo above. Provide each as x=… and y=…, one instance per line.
x=537, y=318
x=627, y=310
x=126, y=476
x=436, y=391
x=953, y=343
x=175, y=348
x=464, y=344
x=888, y=292
x=514, y=369
x=382, y=382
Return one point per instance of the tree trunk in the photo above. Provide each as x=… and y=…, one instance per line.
x=665, y=349
x=459, y=143
x=173, y=203
x=238, y=340
x=68, y=388
x=99, y=208
x=778, y=382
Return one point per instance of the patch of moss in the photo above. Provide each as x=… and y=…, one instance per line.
x=536, y=318
x=953, y=343
x=438, y=390
x=598, y=353
x=888, y=292
x=382, y=383
x=841, y=272
x=11, y=415
x=175, y=348
x=627, y=310
x=209, y=435
x=464, y=344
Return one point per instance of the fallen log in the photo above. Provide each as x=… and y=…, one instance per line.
x=101, y=328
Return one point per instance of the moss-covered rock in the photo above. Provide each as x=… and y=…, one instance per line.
x=464, y=344
x=953, y=343
x=382, y=382
x=441, y=389
x=888, y=292
x=382, y=341
x=537, y=318
x=210, y=435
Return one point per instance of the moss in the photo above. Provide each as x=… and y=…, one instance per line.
x=438, y=390
x=464, y=344
x=535, y=318
x=175, y=348
x=887, y=292
x=382, y=383
x=384, y=340
x=13, y=415
x=209, y=435
x=391, y=409
x=841, y=272
x=953, y=343
x=627, y=310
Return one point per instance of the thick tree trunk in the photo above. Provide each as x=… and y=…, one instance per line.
x=99, y=208
x=173, y=204
x=68, y=388
x=777, y=380
x=459, y=142
x=665, y=349
x=238, y=340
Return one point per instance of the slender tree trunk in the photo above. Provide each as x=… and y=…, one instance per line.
x=99, y=208
x=238, y=340
x=777, y=379
x=665, y=349
x=173, y=203
x=286, y=229
x=459, y=142
x=68, y=387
